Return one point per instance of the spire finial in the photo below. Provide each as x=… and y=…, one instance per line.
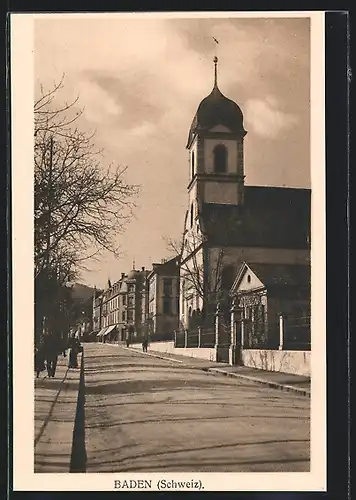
x=216, y=71
x=216, y=63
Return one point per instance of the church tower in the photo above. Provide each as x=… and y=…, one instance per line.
x=215, y=145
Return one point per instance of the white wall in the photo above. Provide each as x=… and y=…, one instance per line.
x=221, y=192
x=193, y=264
x=192, y=198
x=207, y=353
x=295, y=362
x=245, y=285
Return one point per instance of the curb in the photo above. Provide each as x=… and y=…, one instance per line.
x=78, y=452
x=272, y=385
x=153, y=355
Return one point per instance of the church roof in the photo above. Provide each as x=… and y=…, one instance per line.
x=216, y=109
x=273, y=217
x=282, y=274
x=275, y=276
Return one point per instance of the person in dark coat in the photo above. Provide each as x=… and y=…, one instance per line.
x=39, y=360
x=145, y=344
x=74, y=348
x=51, y=354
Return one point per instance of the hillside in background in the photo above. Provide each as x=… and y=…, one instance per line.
x=82, y=293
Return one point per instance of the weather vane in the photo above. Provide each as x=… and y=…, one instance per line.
x=216, y=46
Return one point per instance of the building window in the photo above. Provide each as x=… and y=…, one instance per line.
x=130, y=301
x=129, y=315
x=167, y=306
x=191, y=214
x=220, y=159
x=167, y=287
x=248, y=278
x=131, y=288
x=193, y=164
x=124, y=300
x=123, y=316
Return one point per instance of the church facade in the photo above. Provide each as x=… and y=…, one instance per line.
x=228, y=222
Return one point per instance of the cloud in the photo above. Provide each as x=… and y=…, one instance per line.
x=99, y=105
x=143, y=130
x=266, y=118
x=141, y=81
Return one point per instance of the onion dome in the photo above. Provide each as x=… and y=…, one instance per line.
x=216, y=109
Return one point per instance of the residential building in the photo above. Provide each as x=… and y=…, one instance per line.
x=163, y=298
x=97, y=311
x=121, y=310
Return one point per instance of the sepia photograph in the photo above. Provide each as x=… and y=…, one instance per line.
x=173, y=207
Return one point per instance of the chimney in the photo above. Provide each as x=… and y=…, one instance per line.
x=122, y=275
x=143, y=268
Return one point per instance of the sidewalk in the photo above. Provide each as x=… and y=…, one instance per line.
x=55, y=410
x=277, y=380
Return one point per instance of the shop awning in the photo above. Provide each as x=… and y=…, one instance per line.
x=109, y=329
x=102, y=332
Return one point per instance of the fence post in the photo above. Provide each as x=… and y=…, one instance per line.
x=199, y=336
x=242, y=333
x=218, y=315
x=186, y=338
x=233, y=348
x=281, y=331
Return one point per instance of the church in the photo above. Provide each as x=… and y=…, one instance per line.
x=229, y=223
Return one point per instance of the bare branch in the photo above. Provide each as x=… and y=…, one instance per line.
x=79, y=202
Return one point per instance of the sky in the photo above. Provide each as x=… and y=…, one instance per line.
x=140, y=81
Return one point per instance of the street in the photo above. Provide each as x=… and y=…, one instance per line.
x=145, y=414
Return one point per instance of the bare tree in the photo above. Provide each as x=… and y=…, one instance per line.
x=196, y=275
x=81, y=204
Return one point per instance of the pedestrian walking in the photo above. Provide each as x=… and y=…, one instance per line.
x=74, y=348
x=39, y=360
x=64, y=349
x=51, y=354
x=145, y=344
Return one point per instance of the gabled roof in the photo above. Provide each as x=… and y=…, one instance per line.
x=282, y=274
x=271, y=275
x=270, y=217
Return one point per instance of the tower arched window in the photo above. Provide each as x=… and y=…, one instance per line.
x=220, y=159
x=191, y=215
x=193, y=164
